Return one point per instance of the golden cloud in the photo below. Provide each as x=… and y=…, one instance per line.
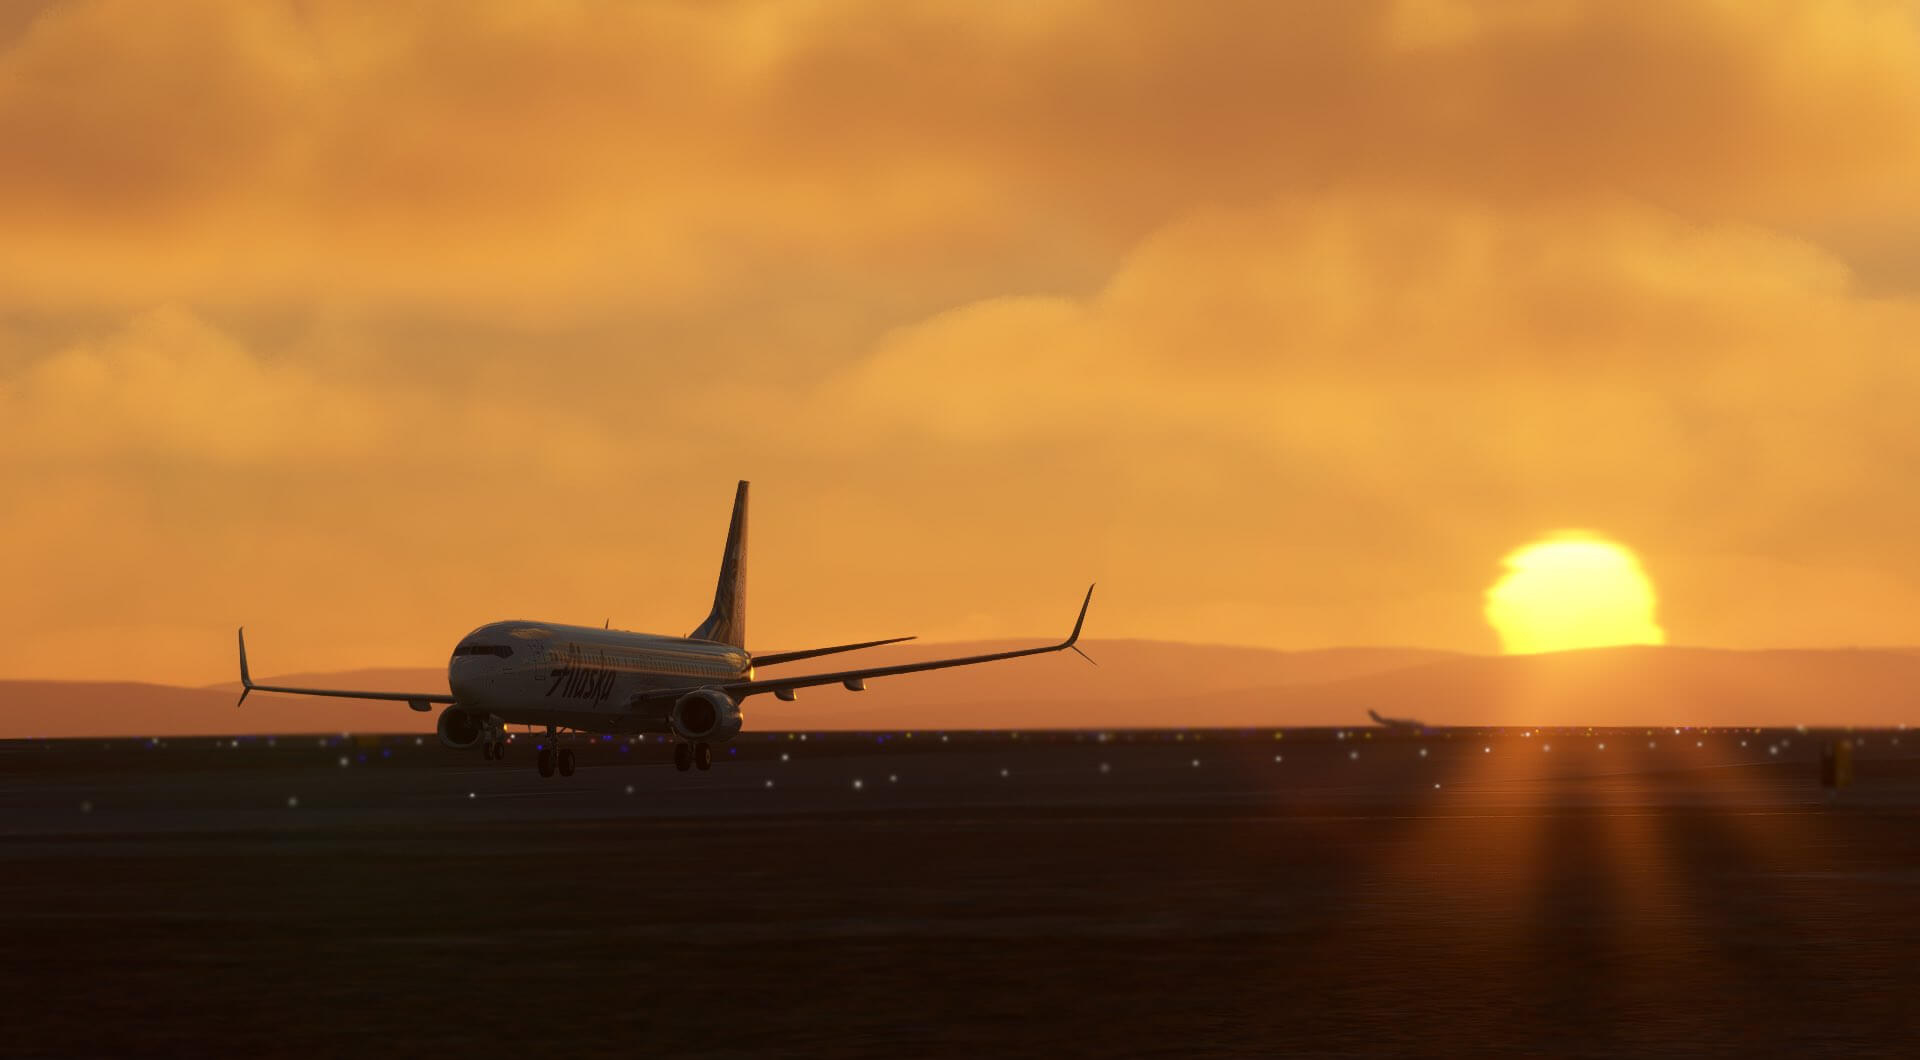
x=1291, y=318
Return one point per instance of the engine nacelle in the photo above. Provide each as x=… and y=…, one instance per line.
x=706, y=716
x=461, y=728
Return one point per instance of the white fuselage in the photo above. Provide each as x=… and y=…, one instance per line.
x=578, y=677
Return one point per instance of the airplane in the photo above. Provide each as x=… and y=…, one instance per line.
x=1398, y=724
x=586, y=680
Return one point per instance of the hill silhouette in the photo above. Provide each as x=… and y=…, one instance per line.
x=1137, y=683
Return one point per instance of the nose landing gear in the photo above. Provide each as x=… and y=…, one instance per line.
x=495, y=747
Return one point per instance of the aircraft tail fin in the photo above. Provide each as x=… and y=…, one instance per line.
x=727, y=622
x=1375, y=715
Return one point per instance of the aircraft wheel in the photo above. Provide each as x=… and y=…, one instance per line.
x=546, y=761
x=682, y=757
x=703, y=756
x=566, y=763
x=499, y=750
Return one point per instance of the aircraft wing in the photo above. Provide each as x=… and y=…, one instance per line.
x=421, y=701
x=855, y=680
x=770, y=658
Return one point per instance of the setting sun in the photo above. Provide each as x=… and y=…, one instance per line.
x=1572, y=591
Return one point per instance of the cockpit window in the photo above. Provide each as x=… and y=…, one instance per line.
x=484, y=649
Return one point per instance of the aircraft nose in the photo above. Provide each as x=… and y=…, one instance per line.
x=463, y=676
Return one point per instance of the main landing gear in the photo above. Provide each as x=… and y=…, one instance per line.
x=495, y=747
x=552, y=756
x=686, y=756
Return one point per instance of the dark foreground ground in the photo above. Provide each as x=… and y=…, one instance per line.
x=983, y=895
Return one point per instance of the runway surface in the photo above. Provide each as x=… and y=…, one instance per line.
x=884, y=894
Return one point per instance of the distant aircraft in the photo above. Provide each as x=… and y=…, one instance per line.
x=1398, y=724
x=590, y=680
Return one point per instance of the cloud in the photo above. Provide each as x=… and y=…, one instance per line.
x=169, y=386
x=504, y=161
x=1397, y=381
x=1287, y=320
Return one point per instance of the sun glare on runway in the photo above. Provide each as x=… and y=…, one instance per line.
x=1573, y=590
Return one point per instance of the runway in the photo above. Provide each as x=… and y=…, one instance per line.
x=869, y=894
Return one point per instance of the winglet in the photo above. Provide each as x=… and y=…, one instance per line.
x=246, y=679
x=1074, y=637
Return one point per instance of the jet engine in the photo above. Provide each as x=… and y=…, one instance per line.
x=706, y=716
x=459, y=728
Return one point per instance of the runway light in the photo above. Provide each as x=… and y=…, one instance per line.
x=629, y=789
x=1649, y=745
x=1699, y=743
x=1353, y=756
x=1105, y=768
x=1436, y=787
x=1003, y=773
x=1546, y=747
x=1279, y=758
x=416, y=742
x=470, y=795
x=893, y=778
x=858, y=784
x=1773, y=749
x=1603, y=747
x=293, y=802
x=784, y=756
x=343, y=761
x=1196, y=763
x=1486, y=750
x=86, y=807
x=1743, y=743
x=769, y=783
x=1423, y=752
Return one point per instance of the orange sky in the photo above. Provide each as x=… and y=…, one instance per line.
x=366, y=323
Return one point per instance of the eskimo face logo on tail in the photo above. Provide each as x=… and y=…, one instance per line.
x=580, y=675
